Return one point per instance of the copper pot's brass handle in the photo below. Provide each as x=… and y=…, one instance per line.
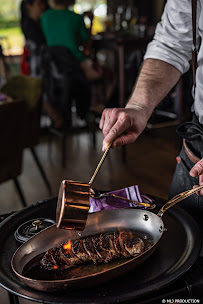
x=176, y=199
x=122, y=198
x=100, y=163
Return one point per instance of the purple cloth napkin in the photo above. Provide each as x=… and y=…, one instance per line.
x=109, y=202
x=3, y=97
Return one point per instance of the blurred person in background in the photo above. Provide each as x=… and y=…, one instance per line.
x=31, y=11
x=31, y=63
x=68, y=45
x=62, y=27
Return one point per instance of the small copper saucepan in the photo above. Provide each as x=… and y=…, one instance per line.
x=73, y=205
x=73, y=201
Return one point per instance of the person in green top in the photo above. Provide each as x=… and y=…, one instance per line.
x=63, y=27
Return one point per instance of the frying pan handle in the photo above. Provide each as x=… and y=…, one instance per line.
x=165, y=207
x=176, y=199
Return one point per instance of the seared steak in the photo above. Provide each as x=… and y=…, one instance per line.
x=97, y=249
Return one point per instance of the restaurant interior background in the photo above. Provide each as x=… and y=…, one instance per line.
x=149, y=162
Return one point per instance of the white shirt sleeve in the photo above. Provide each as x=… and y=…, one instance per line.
x=172, y=41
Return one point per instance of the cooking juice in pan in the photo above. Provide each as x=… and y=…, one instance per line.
x=40, y=268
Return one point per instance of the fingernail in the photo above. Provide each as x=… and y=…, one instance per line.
x=194, y=172
x=105, y=145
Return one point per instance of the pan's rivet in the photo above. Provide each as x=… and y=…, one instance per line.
x=145, y=217
x=161, y=229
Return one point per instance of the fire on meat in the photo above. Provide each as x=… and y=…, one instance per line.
x=102, y=248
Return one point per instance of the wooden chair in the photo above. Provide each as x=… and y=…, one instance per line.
x=29, y=90
x=11, y=136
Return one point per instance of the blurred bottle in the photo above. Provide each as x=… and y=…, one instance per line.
x=108, y=23
x=119, y=18
x=128, y=16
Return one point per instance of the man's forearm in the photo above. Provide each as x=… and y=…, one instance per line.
x=155, y=80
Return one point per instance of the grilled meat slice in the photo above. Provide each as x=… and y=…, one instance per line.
x=134, y=245
x=80, y=252
x=68, y=256
x=52, y=259
x=89, y=247
x=55, y=257
x=107, y=244
x=47, y=262
x=119, y=240
x=127, y=244
x=117, y=243
x=104, y=255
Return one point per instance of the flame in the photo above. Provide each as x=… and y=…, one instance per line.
x=55, y=267
x=67, y=246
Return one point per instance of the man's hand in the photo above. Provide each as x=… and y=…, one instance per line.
x=122, y=126
x=197, y=170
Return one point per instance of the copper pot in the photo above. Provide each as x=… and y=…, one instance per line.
x=73, y=201
x=73, y=205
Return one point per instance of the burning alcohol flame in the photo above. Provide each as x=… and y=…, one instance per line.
x=55, y=267
x=67, y=246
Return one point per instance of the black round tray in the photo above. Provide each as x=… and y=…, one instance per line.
x=177, y=251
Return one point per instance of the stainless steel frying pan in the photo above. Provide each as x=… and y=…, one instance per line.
x=146, y=223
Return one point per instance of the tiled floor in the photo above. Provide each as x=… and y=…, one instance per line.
x=150, y=164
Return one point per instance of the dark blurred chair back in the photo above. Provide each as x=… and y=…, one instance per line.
x=29, y=90
x=11, y=128
x=64, y=80
x=11, y=137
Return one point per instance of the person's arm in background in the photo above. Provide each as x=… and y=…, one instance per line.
x=167, y=57
x=123, y=126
